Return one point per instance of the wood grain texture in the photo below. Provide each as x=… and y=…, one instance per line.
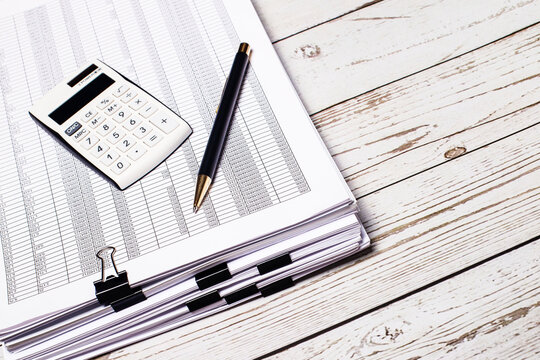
x=283, y=18
x=489, y=312
x=423, y=228
x=392, y=39
x=431, y=117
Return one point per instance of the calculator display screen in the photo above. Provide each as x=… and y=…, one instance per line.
x=81, y=98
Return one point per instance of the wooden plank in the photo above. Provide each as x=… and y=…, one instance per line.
x=283, y=18
x=491, y=311
x=431, y=117
x=390, y=40
x=423, y=228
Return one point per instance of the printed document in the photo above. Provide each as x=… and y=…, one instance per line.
x=56, y=213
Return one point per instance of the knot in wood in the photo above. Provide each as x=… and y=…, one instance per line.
x=455, y=152
x=309, y=51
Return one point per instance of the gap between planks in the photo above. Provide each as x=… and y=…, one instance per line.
x=283, y=19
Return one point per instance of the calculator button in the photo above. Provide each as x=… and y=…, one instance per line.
x=90, y=141
x=126, y=143
x=96, y=121
x=105, y=128
x=120, y=90
x=109, y=157
x=148, y=110
x=153, y=139
x=99, y=149
x=137, y=103
x=116, y=135
x=164, y=122
x=120, y=166
x=142, y=130
x=112, y=108
x=121, y=115
x=104, y=102
x=128, y=96
x=79, y=135
x=73, y=128
x=132, y=122
x=136, y=151
x=88, y=114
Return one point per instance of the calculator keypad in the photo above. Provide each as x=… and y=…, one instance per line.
x=120, y=127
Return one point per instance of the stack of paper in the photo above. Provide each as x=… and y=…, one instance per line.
x=278, y=209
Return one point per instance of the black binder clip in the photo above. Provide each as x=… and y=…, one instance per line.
x=115, y=290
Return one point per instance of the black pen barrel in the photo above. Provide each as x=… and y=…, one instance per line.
x=222, y=122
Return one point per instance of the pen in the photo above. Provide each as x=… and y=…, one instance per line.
x=225, y=112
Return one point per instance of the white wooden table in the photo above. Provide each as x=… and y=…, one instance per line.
x=431, y=111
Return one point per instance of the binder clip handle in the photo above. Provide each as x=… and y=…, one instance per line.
x=115, y=290
x=101, y=254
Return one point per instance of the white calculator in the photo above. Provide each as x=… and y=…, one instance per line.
x=116, y=126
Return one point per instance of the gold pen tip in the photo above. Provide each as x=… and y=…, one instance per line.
x=203, y=184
